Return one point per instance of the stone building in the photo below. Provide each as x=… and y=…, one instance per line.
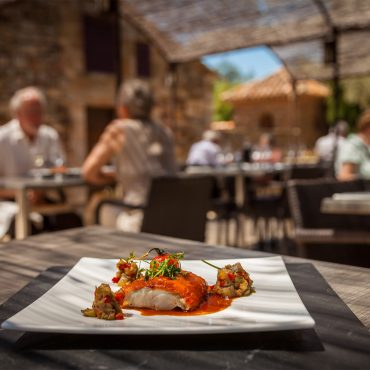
x=271, y=105
x=74, y=51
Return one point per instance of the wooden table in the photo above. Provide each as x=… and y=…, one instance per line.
x=347, y=203
x=22, y=184
x=21, y=261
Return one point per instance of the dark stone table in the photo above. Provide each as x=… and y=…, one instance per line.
x=338, y=341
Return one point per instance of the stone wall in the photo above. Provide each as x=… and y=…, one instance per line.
x=30, y=54
x=42, y=44
x=300, y=122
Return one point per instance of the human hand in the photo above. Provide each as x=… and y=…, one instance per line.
x=35, y=197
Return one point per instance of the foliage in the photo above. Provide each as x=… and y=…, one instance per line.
x=229, y=72
x=230, y=76
x=357, y=90
x=221, y=111
x=347, y=110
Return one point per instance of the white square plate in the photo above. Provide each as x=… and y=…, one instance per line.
x=276, y=304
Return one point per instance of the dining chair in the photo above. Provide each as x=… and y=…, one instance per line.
x=307, y=172
x=336, y=238
x=176, y=206
x=264, y=206
x=223, y=205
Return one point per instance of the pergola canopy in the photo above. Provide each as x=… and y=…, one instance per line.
x=305, y=34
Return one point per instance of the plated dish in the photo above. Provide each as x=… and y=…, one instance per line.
x=275, y=306
x=159, y=285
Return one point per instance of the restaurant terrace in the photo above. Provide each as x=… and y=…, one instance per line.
x=159, y=213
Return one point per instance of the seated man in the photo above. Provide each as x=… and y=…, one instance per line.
x=207, y=151
x=26, y=143
x=326, y=147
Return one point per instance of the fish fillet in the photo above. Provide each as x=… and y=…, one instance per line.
x=187, y=291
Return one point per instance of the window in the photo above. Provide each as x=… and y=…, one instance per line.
x=100, y=43
x=97, y=120
x=266, y=122
x=142, y=60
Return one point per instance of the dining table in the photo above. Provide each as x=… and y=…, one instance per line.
x=21, y=186
x=239, y=171
x=351, y=203
x=336, y=296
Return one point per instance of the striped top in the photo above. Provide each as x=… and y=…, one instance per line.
x=148, y=151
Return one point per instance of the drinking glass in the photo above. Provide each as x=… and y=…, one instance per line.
x=58, y=166
x=38, y=164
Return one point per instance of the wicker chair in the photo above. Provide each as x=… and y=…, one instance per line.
x=337, y=238
x=223, y=204
x=305, y=172
x=176, y=206
x=264, y=206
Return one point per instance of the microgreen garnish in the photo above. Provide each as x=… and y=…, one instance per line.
x=167, y=265
x=210, y=264
x=164, y=264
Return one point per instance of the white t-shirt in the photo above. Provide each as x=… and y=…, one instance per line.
x=18, y=153
x=204, y=153
x=325, y=146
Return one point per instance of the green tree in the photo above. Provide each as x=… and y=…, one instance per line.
x=221, y=111
x=357, y=91
x=230, y=76
x=348, y=110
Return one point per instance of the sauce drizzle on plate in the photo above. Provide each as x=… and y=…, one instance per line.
x=214, y=303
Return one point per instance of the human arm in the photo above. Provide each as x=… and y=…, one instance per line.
x=34, y=196
x=348, y=171
x=7, y=194
x=109, y=144
x=349, y=159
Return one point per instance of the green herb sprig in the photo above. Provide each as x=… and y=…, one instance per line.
x=212, y=265
x=166, y=268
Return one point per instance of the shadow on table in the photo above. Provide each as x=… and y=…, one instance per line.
x=297, y=340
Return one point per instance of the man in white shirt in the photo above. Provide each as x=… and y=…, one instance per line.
x=25, y=143
x=207, y=151
x=327, y=146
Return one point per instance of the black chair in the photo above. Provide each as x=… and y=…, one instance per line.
x=336, y=238
x=223, y=204
x=176, y=206
x=307, y=171
x=263, y=203
x=275, y=206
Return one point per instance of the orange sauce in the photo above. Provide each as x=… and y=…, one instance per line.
x=214, y=303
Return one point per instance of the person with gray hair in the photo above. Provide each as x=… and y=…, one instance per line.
x=206, y=152
x=135, y=100
x=25, y=140
x=140, y=148
x=327, y=146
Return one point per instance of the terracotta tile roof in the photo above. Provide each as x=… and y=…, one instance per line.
x=276, y=86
